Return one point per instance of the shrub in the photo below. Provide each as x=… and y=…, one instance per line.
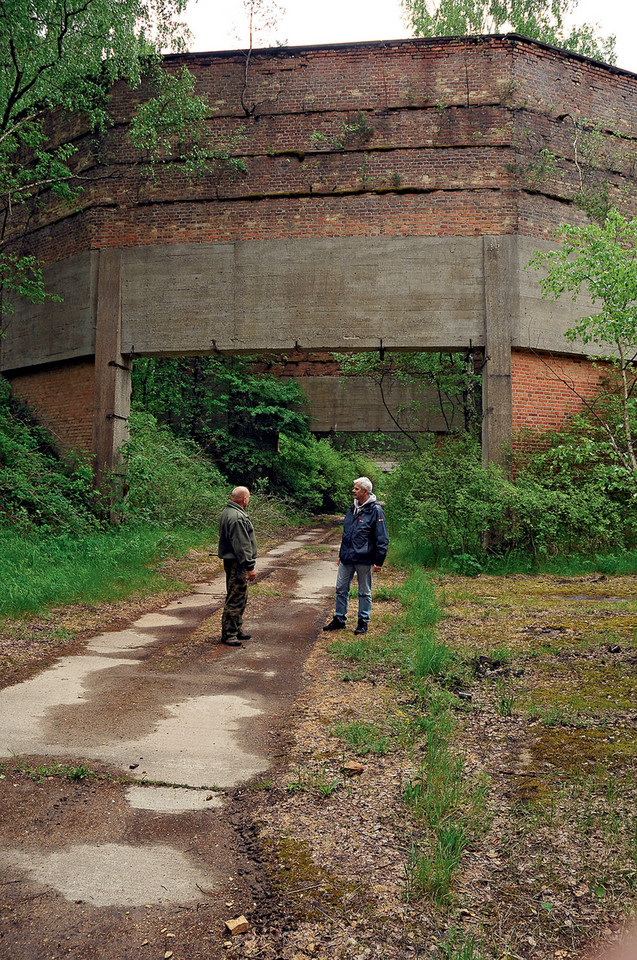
x=38, y=489
x=170, y=480
x=566, y=498
x=313, y=473
x=445, y=501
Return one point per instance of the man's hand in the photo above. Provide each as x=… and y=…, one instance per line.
x=377, y=569
x=251, y=575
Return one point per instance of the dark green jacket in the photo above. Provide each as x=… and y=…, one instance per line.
x=236, y=536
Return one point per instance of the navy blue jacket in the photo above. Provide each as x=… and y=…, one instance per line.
x=365, y=538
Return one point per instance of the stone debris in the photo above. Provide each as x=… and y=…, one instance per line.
x=353, y=768
x=238, y=925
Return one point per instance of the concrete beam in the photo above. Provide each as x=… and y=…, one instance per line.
x=501, y=296
x=340, y=294
x=56, y=330
x=354, y=404
x=112, y=371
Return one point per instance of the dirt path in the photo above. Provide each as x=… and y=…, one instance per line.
x=124, y=765
x=315, y=849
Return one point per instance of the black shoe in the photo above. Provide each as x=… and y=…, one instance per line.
x=232, y=642
x=244, y=636
x=361, y=627
x=335, y=624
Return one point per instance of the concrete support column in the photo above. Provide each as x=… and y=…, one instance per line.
x=112, y=373
x=500, y=308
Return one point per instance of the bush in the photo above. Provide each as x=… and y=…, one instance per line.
x=566, y=498
x=39, y=490
x=170, y=481
x=313, y=473
x=444, y=501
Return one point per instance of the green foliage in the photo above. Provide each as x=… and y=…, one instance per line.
x=61, y=770
x=40, y=571
x=250, y=424
x=567, y=497
x=360, y=129
x=444, y=499
x=62, y=59
x=173, y=125
x=170, y=481
x=313, y=473
x=235, y=416
x=53, y=548
x=543, y=20
x=39, y=491
x=362, y=738
x=601, y=259
x=458, y=945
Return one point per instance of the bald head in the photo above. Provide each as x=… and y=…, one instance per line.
x=240, y=495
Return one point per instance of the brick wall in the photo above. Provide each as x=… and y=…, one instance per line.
x=454, y=133
x=453, y=141
x=61, y=399
x=547, y=389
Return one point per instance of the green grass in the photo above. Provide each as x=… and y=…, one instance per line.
x=448, y=805
x=362, y=738
x=61, y=770
x=39, y=571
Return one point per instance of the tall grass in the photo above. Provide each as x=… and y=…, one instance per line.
x=55, y=551
x=39, y=571
x=449, y=806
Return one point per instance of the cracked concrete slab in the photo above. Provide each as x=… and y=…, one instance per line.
x=205, y=718
x=172, y=799
x=115, y=874
x=199, y=744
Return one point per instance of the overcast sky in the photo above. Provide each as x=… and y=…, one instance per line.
x=223, y=26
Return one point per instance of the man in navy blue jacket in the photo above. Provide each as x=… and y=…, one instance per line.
x=363, y=549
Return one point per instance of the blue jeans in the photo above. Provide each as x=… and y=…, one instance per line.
x=344, y=578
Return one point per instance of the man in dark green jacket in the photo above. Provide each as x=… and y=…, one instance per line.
x=238, y=550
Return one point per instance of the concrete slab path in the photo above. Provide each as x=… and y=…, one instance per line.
x=175, y=726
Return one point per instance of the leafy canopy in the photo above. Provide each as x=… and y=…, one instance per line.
x=60, y=58
x=543, y=20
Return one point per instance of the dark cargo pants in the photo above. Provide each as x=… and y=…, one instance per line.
x=236, y=599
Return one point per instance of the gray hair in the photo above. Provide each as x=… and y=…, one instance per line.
x=364, y=482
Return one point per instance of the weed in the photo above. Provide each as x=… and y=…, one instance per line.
x=297, y=785
x=386, y=594
x=356, y=650
x=359, y=129
x=354, y=676
x=265, y=784
x=44, y=771
x=328, y=788
x=506, y=701
x=362, y=738
x=316, y=782
x=431, y=871
x=458, y=945
x=505, y=705
x=431, y=657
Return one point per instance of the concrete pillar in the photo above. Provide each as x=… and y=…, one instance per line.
x=112, y=374
x=500, y=308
